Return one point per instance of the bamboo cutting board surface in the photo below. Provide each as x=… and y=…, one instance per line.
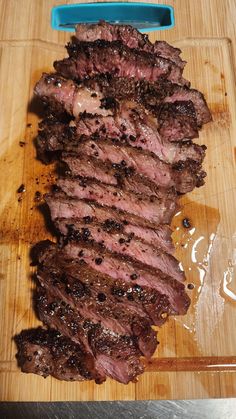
x=196, y=357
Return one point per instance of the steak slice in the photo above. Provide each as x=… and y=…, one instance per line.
x=82, y=166
x=55, y=136
x=116, y=356
x=47, y=352
x=157, y=211
x=67, y=207
x=116, y=318
x=65, y=95
x=66, y=320
x=175, y=121
x=66, y=211
x=87, y=59
x=182, y=176
x=150, y=95
x=59, y=274
x=127, y=245
x=123, y=269
x=128, y=36
x=137, y=130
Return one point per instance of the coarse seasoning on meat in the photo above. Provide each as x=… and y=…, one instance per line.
x=119, y=125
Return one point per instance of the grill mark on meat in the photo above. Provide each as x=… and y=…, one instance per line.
x=128, y=36
x=157, y=211
x=124, y=244
x=65, y=211
x=91, y=58
x=59, y=274
x=123, y=269
x=184, y=176
x=47, y=352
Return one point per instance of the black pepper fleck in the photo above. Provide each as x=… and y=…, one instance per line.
x=21, y=188
x=186, y=223
x=101, y=297
x=98, y=261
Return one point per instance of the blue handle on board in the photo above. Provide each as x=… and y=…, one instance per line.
x=145, y=17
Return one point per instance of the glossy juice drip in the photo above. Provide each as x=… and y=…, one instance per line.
x=194, y=232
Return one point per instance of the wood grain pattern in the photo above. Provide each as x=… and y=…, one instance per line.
x=204, y=31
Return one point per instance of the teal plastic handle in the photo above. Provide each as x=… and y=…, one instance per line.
x=145, y=17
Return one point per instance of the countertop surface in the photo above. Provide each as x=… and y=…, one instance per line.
x=168, y=409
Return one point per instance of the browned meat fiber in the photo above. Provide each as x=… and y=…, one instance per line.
x=65, y=212
x=175, y=121
x=59, y=274
x=156, y=210
x=55, y=137
x=87, y=59
x=117, y=318
x=48, y=352
x=110, y=174
x=120, y=267
x=128, y=36
x=151, y=95
x=128, y=245
x=68, y=321
x=119, y=124
x=156, y=97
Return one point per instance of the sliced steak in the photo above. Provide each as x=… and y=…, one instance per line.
x=158, y=237
x=184, y=176
x=65, y=319
x=157, y=211
x=58, y=275
x=80, y=165
x=116, y=318
x=66, y=211
x=137, y=130
x=123, y=269
x=47, y=352
x=87, y=59
x=150, y=95
x=128, y=36
x=175, y=121
x=67, y=207
x=116, y=356
x=128, y=245
x=65, y=95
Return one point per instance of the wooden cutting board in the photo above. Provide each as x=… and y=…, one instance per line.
x=196, y=357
